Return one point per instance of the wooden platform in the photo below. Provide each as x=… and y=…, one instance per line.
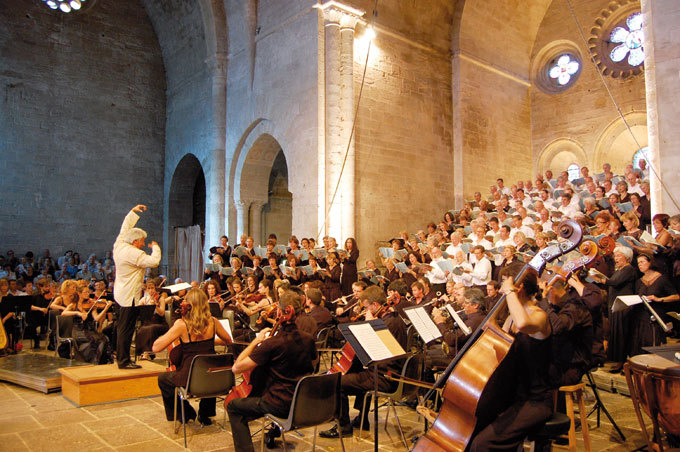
x=89, y=385
x=35, y=371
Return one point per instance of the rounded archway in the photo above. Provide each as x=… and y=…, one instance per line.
x=187, y=206
x=261, y=193
x=560, y=154
x=617, y=146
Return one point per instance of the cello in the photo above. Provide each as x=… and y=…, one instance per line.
x=472, y=382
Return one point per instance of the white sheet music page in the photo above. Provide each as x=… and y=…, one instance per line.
x=227, y=326
x=422, y=322
x=369, y=340
x=466, y=329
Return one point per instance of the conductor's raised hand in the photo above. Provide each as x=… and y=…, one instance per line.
x=152, y=244
x=139, y=208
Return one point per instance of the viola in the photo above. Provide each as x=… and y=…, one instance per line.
x=254, y=381
x=473, y=384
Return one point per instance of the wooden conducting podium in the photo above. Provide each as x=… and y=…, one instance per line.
x=373, y=345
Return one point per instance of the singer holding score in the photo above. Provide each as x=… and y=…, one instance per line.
x=131, y=264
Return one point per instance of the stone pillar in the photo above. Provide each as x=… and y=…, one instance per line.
x=241, y=218
x=662, y=69
x=215, y=222
x=256, y=224
x=339, y=22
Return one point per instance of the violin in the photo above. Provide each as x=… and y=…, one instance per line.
x=266, y=314
x=472, y=384
x=254, y=381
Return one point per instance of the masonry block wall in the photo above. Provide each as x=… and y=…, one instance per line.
x=404, y=165
x=584, y=112
x=81, y=125
x=272, y=88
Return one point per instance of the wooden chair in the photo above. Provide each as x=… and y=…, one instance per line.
x=574, y=393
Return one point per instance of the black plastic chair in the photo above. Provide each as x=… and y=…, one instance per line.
x=64, y=333
x=209, y=376
x=316, y=401
x=556, y=426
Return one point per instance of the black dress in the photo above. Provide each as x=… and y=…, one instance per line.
x=332, y=284
x=149, y=332
x=622, y=282
x=91, y=346
x=349, y=272
x=643, y=332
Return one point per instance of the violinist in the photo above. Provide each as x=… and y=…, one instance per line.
x=196, y=332
x=91, y=346
x=357, y=381
x=59, y=303
x=155, y=327
x=532, y=402
x=286, y=357
x=397, y=292
x=263, y=299
x=215, y=301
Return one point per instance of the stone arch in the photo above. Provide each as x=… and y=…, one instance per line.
x=249, y=176
x=186, y=201
x=559, y=154
x=615, y=144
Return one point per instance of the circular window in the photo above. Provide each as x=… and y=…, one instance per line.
x=617, y=40
x=556, y=67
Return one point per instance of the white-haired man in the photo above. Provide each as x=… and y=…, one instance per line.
x=131, y=264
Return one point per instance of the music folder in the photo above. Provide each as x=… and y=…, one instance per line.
x=372, y=342
x=422, y=322
x=176, y=288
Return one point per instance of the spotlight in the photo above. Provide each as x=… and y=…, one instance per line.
x=52, y=4
x=75, y=4
x=65, y=7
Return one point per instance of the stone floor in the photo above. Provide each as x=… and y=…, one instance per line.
x=32, y=421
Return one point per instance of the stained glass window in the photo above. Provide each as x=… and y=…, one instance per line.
x=640, y=154
x=631, y=41
x=564, y=68
x=574, y=171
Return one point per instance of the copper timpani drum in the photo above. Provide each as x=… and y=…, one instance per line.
x=654, y=383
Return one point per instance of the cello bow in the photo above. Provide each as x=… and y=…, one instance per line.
x=465, y=379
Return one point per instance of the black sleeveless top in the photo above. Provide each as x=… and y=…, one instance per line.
x=189, y=350
x=533, y=360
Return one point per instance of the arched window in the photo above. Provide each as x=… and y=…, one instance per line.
x=640, y=154
x=574, y=171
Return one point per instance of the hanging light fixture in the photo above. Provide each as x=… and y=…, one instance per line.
x=65, y=6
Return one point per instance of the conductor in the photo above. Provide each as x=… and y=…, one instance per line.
x=131, y=264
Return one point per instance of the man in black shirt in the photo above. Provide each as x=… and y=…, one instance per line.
x=285, y=358
x=319, y=313
x=357, y=381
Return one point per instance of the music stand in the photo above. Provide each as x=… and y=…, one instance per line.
x=373, y=344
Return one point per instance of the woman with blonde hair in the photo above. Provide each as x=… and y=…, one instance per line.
x=67, y=295
x=196, y=331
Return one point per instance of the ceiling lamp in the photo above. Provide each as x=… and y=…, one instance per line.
x=65, y=6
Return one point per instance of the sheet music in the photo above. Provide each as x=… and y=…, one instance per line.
x=466, y=329
x=177, y=287
x=227, y=326
x=422, y=322
x=369, y=340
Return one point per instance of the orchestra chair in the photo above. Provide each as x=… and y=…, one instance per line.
x=556, y=426
x=210, y=375
x=64, y=333
x=575, y=393
x=321, y=344
x=654, y=389
x=412, y=369
x=316, y=401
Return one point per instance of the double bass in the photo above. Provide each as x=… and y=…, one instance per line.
x=473, y=382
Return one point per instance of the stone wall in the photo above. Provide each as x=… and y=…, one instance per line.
x=584, y=114
x=81, y=125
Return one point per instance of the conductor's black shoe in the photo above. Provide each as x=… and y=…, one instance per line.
x=333, y=432
x=129, y=366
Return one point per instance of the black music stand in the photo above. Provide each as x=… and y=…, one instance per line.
x=366, y=353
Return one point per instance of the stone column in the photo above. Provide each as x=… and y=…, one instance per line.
x=256, y=224
x=241, y=218
x=215, y=224
x=339, y=24
x=663, y=111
